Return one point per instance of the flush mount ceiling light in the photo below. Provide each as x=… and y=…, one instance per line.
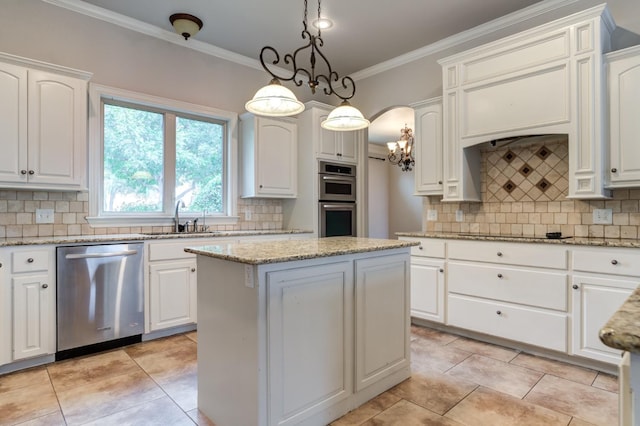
x=401, y=152
x=322, y=23
x=275, y=100
x=186, y=25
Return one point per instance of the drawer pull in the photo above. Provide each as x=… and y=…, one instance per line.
x=23, y=172
x=193, y=269
x=499, y=254
x=45, y=285
x=499, y=312
x=420, y=248
x=31, y=172
x=30, y=260
x=614, y=170
x=614, y=262
x=575, y=286
x=441, y=270
x=499, y=275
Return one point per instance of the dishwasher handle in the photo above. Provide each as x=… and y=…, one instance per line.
x=101, y=255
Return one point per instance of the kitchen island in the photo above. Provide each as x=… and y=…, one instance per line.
x=294, y=332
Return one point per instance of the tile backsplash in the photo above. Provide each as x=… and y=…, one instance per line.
x=18, y=209
x=523, y=188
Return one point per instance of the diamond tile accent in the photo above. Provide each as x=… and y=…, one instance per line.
x=543, y=184
x=525, y=170
x=509, y=186
x=509, y=156
x=543, y=152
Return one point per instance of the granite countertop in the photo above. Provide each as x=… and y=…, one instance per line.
x=622, y=331
x=83, y=239
x=581, y=241
x=262, y=252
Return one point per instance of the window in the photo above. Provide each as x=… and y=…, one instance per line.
x=155, y=154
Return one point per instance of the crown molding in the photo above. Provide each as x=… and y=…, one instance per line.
x=506, y=21
x=522, y=15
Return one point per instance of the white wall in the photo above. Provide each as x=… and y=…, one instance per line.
x=378, y=200
x=405, y=209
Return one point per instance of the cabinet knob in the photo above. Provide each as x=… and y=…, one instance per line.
x=193, y=269
x=31, y=172
x=339, y=154
x=45, y=285
x=614, y=262
x=499, y=254
x=439, y=182
x=575, y=286
x=23, y=172
x=614, y=170
x=0, y=265
x=441, y=270
x=30, y=260
x=420, y=248
x=499, y=275
x=260, y=186
x=499, y=312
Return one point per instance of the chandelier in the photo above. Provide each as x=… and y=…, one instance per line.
x=401, y=152
x=275, y=100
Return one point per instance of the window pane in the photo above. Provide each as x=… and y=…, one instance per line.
x=133, y=160
x=199, y=165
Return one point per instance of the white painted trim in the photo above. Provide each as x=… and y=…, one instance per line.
x=45, y=66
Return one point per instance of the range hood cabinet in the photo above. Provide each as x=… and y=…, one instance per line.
x=546, y=80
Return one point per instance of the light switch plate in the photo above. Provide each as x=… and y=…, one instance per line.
x=44, y=215
x=432, y=215
x=459, y=216
x=602, y=216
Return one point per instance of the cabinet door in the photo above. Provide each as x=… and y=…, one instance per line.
x=624, y=101
x=328, y=141
x=337, y=146
x=595, y=300
x=427, y=289
x=5, y=309
x=277, y=158
x=382, y=317
x=173, y=292
x=33, y=316
x=310, y=340
x=428, y=149
x=13, y=123
x=348, y=145
x=57, y=130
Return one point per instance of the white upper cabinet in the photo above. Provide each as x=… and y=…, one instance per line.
x=43, y=126
x=624, y=104
x=547, y=80
x=336, y=146
x=269, y=157
x=428, y=147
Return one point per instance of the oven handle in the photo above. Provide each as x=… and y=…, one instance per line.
x=101, y=255
x=350, y=206
x=338, y=178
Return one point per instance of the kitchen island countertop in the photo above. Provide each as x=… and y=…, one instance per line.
x=622, y=331
x=284, y=251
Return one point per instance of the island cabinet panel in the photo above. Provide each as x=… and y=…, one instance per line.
x=382, y=319
x=310, y=319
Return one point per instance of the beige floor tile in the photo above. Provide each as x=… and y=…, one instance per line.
x=192, y=335
x=368, y=410
x=486, y=407
x=27, y=403
x=200, y=419
x=92, y=401
x=434, y=336
x=577, y=422
x=587, y=403
x=434, y=391
x=171, y=362
x=21, y=379
x=183, y=390
x=426, y=356
x=485, y=349
x=497, y=375
x=161, y=411
x=53, y=419
x=556, y=368
x=404, y=413
x=158, y=345
x=606, y=382
x=77, y=372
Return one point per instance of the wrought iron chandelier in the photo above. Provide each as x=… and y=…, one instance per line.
x=401, y=152
x=276, y=100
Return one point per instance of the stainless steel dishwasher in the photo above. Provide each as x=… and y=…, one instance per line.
x=100, y=301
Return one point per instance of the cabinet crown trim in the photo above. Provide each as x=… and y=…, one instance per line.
x=44, y=66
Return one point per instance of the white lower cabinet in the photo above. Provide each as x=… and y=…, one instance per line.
x=173, y=293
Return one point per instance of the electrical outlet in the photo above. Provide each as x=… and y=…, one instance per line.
x=248, y=276
x=459, y=216
x=432, y=215
x=44, y=215
x=247, y=215
x=602, y=216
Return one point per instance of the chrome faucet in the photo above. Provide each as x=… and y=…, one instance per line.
x=176, y=217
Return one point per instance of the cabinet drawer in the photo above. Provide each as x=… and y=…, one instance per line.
x=30, y=261
x=537, y=255
x=427, y=248
x=166, y=251
x=519, y=323
x=608, y=261
x=524, y=286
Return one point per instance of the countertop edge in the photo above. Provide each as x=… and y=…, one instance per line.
x=622, y=331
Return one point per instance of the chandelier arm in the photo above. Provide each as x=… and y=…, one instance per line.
x=346, y=82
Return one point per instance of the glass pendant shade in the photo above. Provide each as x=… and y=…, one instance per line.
x=392, y=146
x=403, y=144
x=274, y=100
x=345, y=118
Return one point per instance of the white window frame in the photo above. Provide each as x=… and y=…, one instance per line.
x=97, y=218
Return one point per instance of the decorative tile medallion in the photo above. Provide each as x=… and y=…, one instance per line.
x=543, y=185
x=509, y=186
x=508, y=156
x=543, y=152
x=525, y=170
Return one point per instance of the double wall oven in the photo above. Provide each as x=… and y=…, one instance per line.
x=337, y=199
